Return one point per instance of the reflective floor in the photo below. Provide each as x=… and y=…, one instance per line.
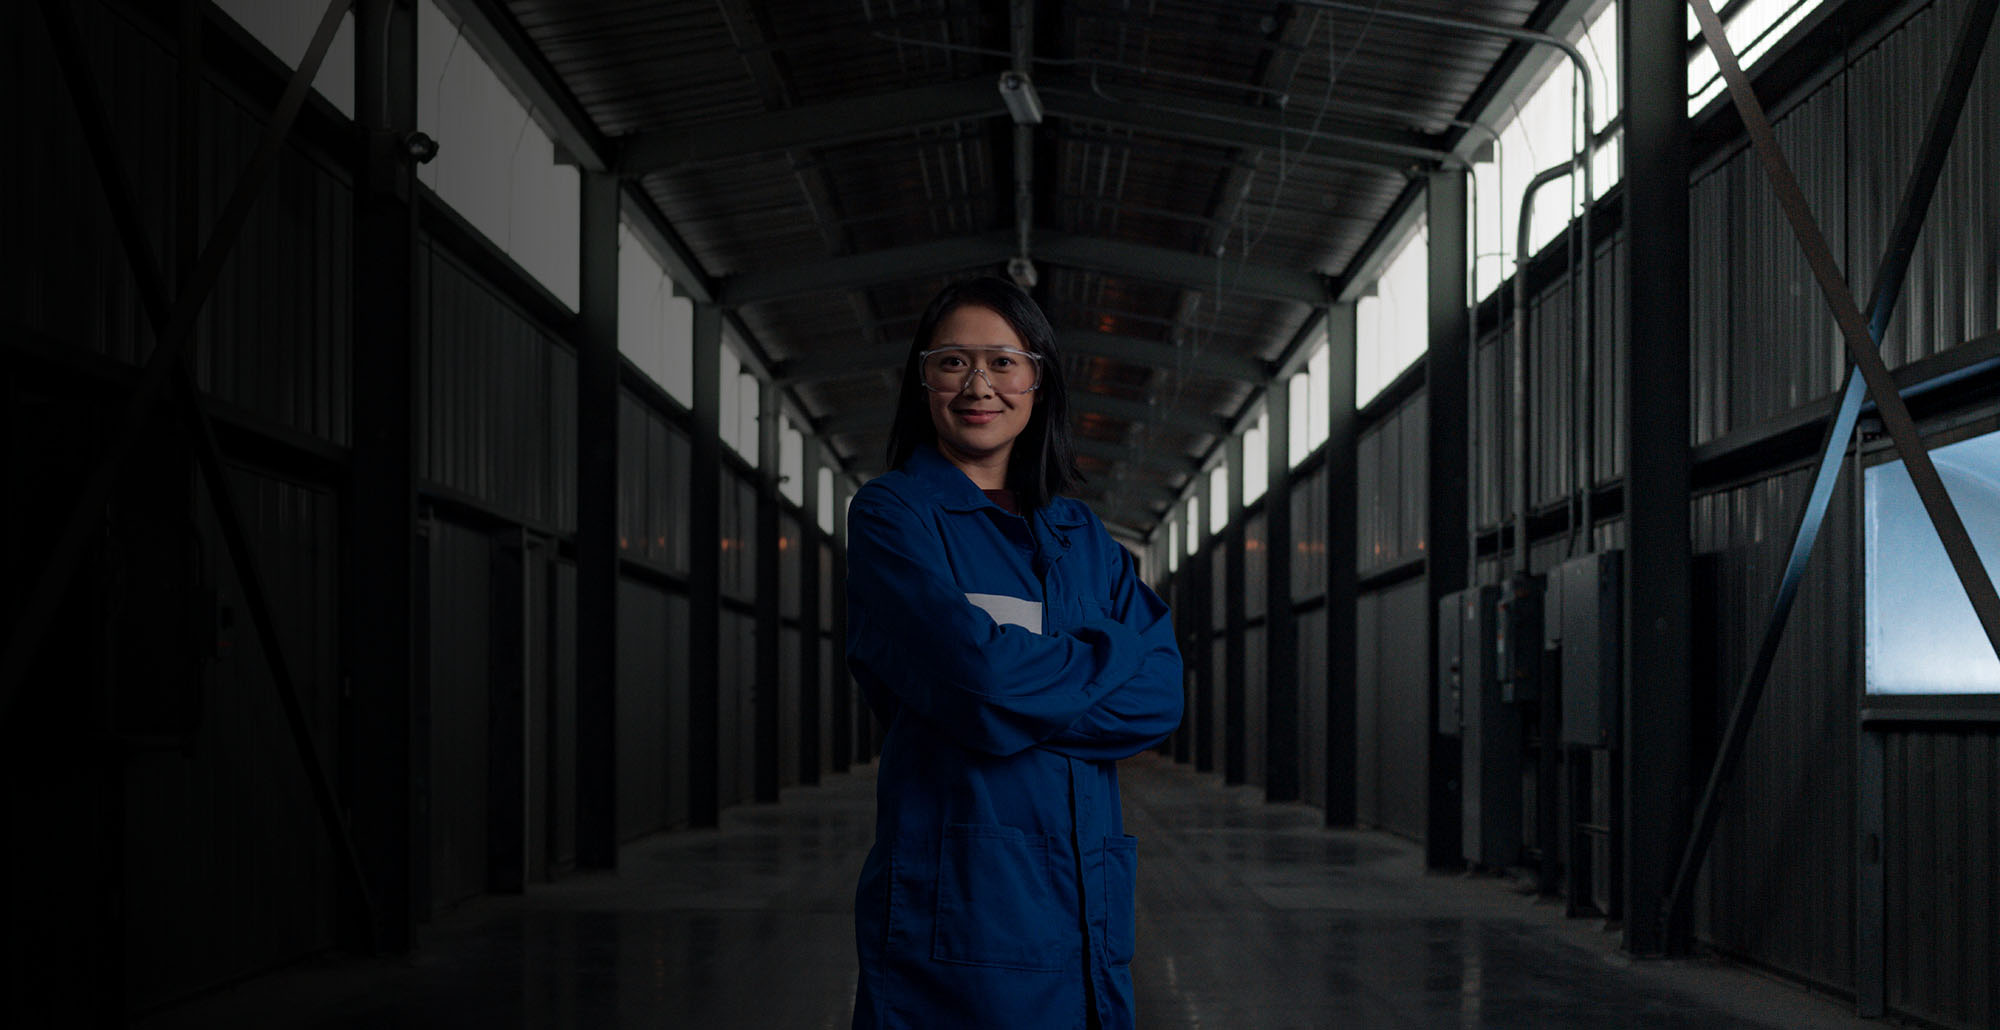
x=1250, y=915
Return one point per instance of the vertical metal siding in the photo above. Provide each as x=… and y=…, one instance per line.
x=496, y=402
x=1368, y=745
x=1312, y=707
x=678, y=741
x=562, y=774
x=642, y=692
x=791, y=714
x=1413, y=500
x=1940, y=851
x=1255, y=747
x=1551, y=394
x=460, y=686
x=1218, y=593
x=1256, y=555
x=274, y=336
x=1952, y=293
x=1402, y=718
x=234, y=844
x=1309, y=536
x=791, y=552
x=1787, y=906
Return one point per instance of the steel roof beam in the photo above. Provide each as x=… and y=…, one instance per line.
x=1127, y=454
x=943, y=257
x=1190, y=271
x=811, y=125
x=1238, y=125
x=861, y=271
x=1164, y=356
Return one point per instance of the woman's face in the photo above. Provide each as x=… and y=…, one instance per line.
x=978, y=424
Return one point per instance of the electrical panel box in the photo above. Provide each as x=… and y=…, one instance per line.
x=1593, y=673
x=1450, y=667
x=1489, y=737
x=1518, y=648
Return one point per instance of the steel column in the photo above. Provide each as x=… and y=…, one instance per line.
x=1659, y=563
x=1342, y=578
x=811, y=675
x=846, y=708
x=508, y=648
x=705, y=574
x=1235, y=741
x=382, y=480
x=1447, y=550
x=1281, y=626
x=770, y=627
x=1940, y=129
x=1199, y=569
x=597, y=550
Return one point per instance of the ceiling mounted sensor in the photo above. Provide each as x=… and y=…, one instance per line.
x=1022, y=271
x=1018, y=93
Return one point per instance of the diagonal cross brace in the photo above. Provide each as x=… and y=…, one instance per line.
x=173, y=328
x=1867, y=369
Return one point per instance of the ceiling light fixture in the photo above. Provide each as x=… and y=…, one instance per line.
x=1019, y=95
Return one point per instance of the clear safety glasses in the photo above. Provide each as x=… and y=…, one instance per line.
x=1006, y=370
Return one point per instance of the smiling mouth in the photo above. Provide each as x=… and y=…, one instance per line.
x=975, y=416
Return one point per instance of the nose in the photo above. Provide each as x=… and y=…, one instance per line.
x=978, y=375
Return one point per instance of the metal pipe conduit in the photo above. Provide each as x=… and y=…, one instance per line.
x=1586, y=157
x=1520, y=360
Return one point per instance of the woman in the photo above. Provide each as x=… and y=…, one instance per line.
x=1012, y=652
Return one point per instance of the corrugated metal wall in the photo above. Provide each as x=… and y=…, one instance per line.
x=1940, y=851
x=453, y=711
x=225, y=840
x=496, y=401
x=1401, y=688
x=273, y=340
x=1391, y=485
x=231, y=871
x=1763, y=346
x=1788, y=906
x=1256, y=747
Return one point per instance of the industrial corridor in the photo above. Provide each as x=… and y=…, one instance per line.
x=1000, y=514
x=1249, y=914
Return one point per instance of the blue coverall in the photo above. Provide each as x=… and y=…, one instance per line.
x=1013, y=660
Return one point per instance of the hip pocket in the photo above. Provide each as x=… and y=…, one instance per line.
x=1121, y=873
x=996, y=902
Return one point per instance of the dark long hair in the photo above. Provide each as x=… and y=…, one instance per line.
x=1042, y=463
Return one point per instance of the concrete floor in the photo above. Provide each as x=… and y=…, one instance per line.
x=1250, y=915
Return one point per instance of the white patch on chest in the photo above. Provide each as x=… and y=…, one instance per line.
x=1010, y=611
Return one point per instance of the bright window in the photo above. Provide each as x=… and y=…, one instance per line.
x=1299, y=417
x=1193, y=524
x=1392, y=324
x=826, y=500
x=285, y=27
x=791, y=462
x=1753, y=28
x=655, y=328
x=1173, y=545
x=1542, y=130
x=1218, y=498
x=1318, y=413
x=495, y=165
x=749, y=391
x=729, y=422
x=1257, y=458
x=1922, y=634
